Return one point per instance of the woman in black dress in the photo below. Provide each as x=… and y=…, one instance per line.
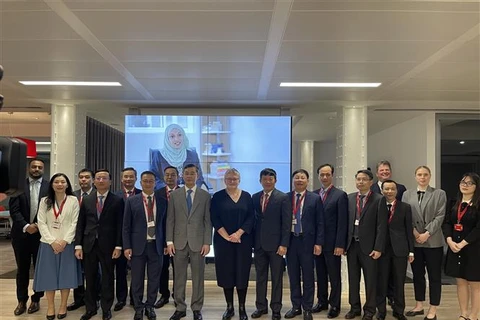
x=232, y=217
x=461, y=229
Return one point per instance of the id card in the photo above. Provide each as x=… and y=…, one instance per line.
x=56, y=224
x=458, y=227
x=357, y=222
x=151, y=224
x=294, y=221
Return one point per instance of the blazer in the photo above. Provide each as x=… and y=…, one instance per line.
x=335, y=209
x=121, y=194
x=277, y=219
x=400, y=190
x=372, y=229
x=194, y=229
x=400, y=229
x=68, y=221
x=313, y=220
x=108, y=229
x=135, y=224
x=429, y=216
x=20, y=209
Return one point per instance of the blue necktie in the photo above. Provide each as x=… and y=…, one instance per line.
x=297, y=228
x=189, y=200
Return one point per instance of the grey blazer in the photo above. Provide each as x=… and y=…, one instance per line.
x=194, y=229
x=429, y=216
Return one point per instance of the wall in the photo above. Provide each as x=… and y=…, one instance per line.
x=325, y=152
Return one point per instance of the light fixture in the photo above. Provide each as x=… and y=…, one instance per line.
x=71, y=83
x=43, y=143
x=330, y=84
x=462, y=142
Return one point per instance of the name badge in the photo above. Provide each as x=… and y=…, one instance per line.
x=458, y=227
x=151, y=224
x=357, y=222
x=294, y=221
x=56, y=224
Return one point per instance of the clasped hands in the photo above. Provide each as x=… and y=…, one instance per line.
x=421, y=237
x=58, y=246
x=456, y=246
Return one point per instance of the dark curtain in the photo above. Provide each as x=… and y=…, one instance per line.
x=105, y=149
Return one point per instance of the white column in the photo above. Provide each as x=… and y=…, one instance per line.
x=306, y=160
x=68, y=141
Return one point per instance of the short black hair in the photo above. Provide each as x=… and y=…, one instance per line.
x=129, y=169
x=171, y=167
x=190, y=165
x=147, y=172
x=86, y=170
x=305, y=172
x=325, y=165
x=104, y=170
x=36, y=159
x=384, y=163
x=268, y=172
x=389, y=181
x=364, y=171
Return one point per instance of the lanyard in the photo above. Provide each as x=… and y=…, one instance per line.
x=296, y=206
x=392, y=211
x=325, y=194
x=359, y=212
x=461, y=213
x=60, y=209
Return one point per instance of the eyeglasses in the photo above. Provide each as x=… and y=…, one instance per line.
x=467, y=183
x=102, y=178
x=231, y=179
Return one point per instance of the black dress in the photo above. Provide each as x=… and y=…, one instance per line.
x=232, y=260
x=464, y=263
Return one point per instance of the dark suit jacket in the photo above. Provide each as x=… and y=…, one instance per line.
x=272, y=228
x=335, y=210
x=20, y=208
x=135, y=224
x=108, y=228
x=373, y=226
x=400, y=190
x=313, y=221
x=122, y=195
x=400, y=229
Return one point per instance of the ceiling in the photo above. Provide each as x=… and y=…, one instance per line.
x=235, y=53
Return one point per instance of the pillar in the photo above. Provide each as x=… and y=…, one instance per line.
x=306, y=160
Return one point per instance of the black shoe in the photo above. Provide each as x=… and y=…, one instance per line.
x=352, y=314
x=87, y=315
x=276, y=316
x=197, y=315
x=20, y=309
x=229, y=313
x=177, y=315
x=119, y=306
x=242, y=313
x=413, y=313
x=138, y=315
x=258, y=313
x=319, y=307
x=107, y=315
x=61, y=315
x=390, y=302
x=307, y=315
x=75, y=305
x=292, y=313
x=399, y=316
x=51, y=317
x=34, y=307
x=367, y=317
x=380, y=317
x=333, y=313
x=161, y=302
x=150, y=313
x=434, y=318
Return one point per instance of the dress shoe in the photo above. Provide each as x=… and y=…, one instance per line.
x=87, y=315
x=150, y=313
x=398, y=316
x=380, y=317
x=20, y=309
x=50, y=317
x=367, y=317
x=161, y=302
x=177, y=315
x=352, y=314
x=119, y=306
x=276, y=316
x=229, y=313
x=138, y=315
x=107, y=315
x=413, y=313
x=61, y=315
x=307, y=315
x=258, y=313
x=34, y=307
x=197, y=315
x=292, y=313
x=75, y=305
x=242, y=313
x=319, y=307
x=333, y=313
x=434, y=318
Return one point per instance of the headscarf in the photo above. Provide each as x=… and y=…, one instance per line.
x=175, y=157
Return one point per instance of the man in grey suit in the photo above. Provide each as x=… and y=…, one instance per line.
x=189, y=236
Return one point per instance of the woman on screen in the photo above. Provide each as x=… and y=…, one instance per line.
x=233, y=218
x=461, y=229
x=175, y=153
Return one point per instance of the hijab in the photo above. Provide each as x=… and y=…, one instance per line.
x=175, y=157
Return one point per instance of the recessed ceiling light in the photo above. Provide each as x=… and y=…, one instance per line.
x=462, y=142
x=71, y=83
x=330, y=84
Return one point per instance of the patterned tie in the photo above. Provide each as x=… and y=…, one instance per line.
x=189, y=200
x=33, y=200
x=265, y=202
x=297, y=228
x=84, y=195
x=129, y=193
x=362, y=196
x=100, y=206
x=420, y=196
x=150, y=230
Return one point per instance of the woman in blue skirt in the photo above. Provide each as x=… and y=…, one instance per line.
x=57, y=268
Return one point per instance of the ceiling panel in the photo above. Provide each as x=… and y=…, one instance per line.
x=204, y=95
x=175, y=84
x=192, y=51
x=387, y=5
x=312, y=94
x=59, y=70
x=455, y=70
x=441, y=95
x=469, y=52
x=8, y=6
x=181, y=26
x=442, y=84
x=88, y=95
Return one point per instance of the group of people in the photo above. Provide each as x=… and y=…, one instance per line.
x=380, y=228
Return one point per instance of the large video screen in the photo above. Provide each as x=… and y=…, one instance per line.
x=214, y=144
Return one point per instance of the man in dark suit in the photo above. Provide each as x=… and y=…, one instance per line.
x=384, y=172
x=398, y=250
x=273, y=218
x=144, y=242
x=170, y=175
x=328, y=264
x=128, y=179
x=85, y=180
x=306, y=240
x=99, y=240
x=365, y=244
x=189, y=236
x=25, y=235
